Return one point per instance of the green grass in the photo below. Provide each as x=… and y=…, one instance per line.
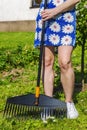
x=12, y=40
x=22, y=80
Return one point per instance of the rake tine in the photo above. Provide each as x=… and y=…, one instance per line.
x=51, y=112
x=45, y=113
x=13, y=110
x=39, y=110
x=28, y=110
x=56, y=112
x=25, y=111
x=5, y=110
x=48, y=111
x=18, y=109
x=9, y=108
x=21, y=109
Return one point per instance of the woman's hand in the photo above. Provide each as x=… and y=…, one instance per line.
x=65, y=6
x=48, y=14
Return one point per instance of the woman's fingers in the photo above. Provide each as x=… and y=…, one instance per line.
x=47, y=14
x=44, y=14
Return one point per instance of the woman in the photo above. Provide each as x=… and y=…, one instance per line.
x=60, y=31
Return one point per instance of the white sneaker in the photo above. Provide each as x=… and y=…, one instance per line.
x=72, y=113
x=47, y=114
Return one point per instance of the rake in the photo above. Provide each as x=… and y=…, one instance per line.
x=32, y=105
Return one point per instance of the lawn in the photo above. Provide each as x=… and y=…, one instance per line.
x=18, y=75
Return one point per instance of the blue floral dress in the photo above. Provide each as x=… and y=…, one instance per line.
x=59, y=30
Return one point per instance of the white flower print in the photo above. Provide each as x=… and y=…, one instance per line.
x=68, y=29
x=35, y=35
x=54, y=39
x=68, y=17
x=40, y=23
x=45, y=37
x=66, y=40
x=57, y=2
x=39, y=35
x=55, y=27
x=41, y=9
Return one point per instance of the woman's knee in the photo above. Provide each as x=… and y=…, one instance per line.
x=48, y=61
x=65, y=64
x=48, y=56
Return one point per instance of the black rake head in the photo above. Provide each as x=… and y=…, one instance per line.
x=24, y=105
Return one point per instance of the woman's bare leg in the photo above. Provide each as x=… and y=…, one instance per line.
x=48, y=73
x=67, y=72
